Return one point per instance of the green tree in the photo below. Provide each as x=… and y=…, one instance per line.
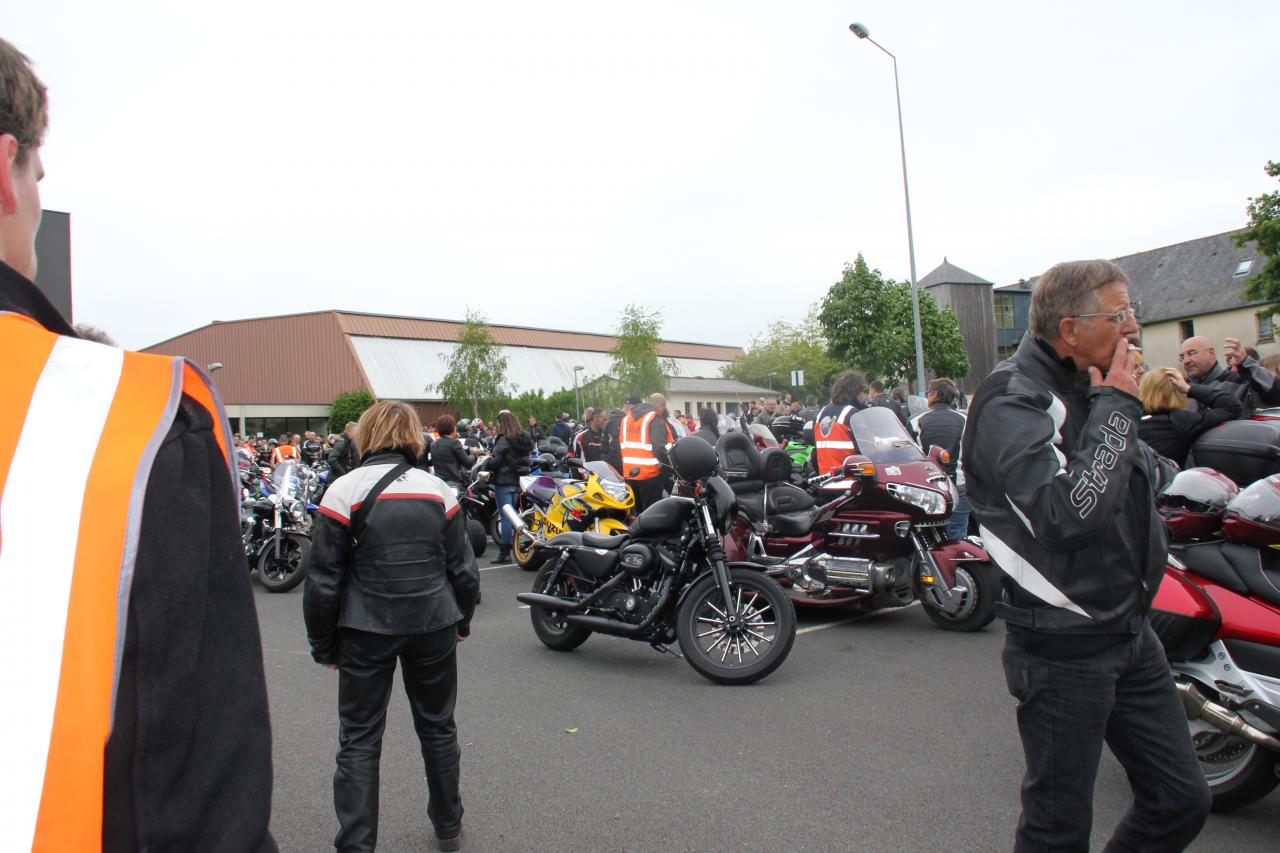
x=866, y=319
x=1264, y=228
x=348, y=407
x=785, y=347
x=636, y=365
x=476, y=374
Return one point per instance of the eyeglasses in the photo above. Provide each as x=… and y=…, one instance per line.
x=1116, y=317
x=1191, y=353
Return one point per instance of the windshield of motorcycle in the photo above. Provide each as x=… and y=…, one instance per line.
x=762, y=435
x=882, y=438
x=285, y=479
x=604, y=471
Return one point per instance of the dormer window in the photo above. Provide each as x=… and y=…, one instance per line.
x=1242, y=268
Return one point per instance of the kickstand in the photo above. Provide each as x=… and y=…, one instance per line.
x=663, y=650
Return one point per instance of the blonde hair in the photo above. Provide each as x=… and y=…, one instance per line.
x=1159, y=394
x=389, y=425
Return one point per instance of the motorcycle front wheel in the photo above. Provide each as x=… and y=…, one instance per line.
x=286, y=572
x=980, y=587
x=746, y=649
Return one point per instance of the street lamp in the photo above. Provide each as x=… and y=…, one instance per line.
x=863, y=33
x=576, y=396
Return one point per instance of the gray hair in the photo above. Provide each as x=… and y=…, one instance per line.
x=1068, y=289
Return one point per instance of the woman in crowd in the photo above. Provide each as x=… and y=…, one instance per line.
x=450, y=461
x=510, y=459
x=388, y=580
x=1168, y=427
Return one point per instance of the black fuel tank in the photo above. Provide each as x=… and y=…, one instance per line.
x=663, y=518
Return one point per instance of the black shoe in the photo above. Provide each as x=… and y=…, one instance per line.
x=449, y=844
x=503, y=557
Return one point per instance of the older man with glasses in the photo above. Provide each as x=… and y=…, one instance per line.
x=1243, y=376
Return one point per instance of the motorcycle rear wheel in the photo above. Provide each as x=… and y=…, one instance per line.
x=494, y=526
x=1238, y=771
x=287, y=572
x=981, y=582
x=732, y=654
x=522, y=550
x=555, y=634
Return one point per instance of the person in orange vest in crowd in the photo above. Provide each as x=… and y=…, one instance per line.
x=645, y=436
x=833, y=439
x=284, y=450
x=138, y=712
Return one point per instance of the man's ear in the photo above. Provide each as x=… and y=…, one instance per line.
x=1068, y=330
x=8, y=168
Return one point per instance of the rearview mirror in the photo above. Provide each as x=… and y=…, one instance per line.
x=859, y=467
x=938, y=456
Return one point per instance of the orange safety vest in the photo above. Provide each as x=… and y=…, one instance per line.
x=283, y=452
x=834, y=442
x=637, y=449
x=80, y=426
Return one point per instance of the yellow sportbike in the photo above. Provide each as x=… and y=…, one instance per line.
x=602, y=503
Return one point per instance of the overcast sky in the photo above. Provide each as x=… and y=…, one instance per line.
x=548, y=163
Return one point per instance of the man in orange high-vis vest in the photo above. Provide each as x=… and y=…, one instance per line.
x=644, y=436
x=136, y=711
x=832, y=437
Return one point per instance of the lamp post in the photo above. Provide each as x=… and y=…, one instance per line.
x=577, y=396
x=863, y=33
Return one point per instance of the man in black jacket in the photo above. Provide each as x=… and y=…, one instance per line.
x=187, y=765
x=1064, y=493
x=588, y=444
x=880, y=396
x=1252, y=383
x=342, y=456
x=612, y=428
x=942, y=426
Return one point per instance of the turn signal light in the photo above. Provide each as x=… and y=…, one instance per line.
x=926, y=578
x=867, y=469
x=946, y=457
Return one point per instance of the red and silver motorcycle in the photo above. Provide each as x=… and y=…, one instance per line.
x=1218, y=614
x=874, y=535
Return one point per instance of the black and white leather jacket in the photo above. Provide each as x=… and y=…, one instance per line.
x=1064, y=493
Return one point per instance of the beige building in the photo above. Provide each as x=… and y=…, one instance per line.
x=726, y=396
x=1197, y=288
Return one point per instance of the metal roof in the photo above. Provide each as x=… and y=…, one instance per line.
x=949, y=273
x=404, y=369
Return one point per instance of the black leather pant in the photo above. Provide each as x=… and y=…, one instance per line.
x=366, y=667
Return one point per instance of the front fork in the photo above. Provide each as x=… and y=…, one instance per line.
x=715, y=555
x=932, y=583
x=276, y=533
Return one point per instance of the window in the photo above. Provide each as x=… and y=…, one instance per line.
x=1004, y=311
x=1242, y=268
x=1266, y=328
x=1187, y=329
x=719, y=408
x=686, y=406
x=1006, y=351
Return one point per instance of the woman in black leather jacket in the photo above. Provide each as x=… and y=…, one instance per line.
x=1167, y=426
x=450, y=461
x=511, y=452
x=387, y=580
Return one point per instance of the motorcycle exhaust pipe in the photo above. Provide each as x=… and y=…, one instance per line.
x=513, y=517
x=1223, y=719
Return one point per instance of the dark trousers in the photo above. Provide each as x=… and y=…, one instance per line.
x=1123, y=696
x=366, y=669
x=647, y=492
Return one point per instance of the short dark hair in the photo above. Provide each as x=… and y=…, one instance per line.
x=945, y=389
x=24, y=101
x=708, y=417
x=877, y=386
x=445, y=424
x=633, y=400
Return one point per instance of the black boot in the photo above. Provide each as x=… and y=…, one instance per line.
x=504, y=556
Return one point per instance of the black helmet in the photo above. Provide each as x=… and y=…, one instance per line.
x=693, y=458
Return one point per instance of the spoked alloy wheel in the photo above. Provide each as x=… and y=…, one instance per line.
x=1238, y=771
x=980, y=586
x=553, y=631
x=283, y=574
x=522, y=543
x=736, y=650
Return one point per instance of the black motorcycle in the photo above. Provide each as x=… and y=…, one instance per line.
x=276, y=528
x=666, y=580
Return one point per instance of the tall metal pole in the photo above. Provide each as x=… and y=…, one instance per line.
x=577, y=396
x=861, y=32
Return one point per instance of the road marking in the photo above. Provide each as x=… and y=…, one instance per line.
x=491, y=568
x=860, y=617
x=523, y=607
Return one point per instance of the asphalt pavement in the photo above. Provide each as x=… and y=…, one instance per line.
x=877, y=734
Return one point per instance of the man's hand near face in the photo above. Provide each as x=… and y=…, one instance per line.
x=1233, y=352
x=1120, y=373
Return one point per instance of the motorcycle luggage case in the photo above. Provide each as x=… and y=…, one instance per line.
x=1246, y=451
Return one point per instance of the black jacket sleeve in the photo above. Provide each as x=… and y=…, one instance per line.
x=338, y=462
x=460, y=562
x=188, y=762
x=1262, y=381
x=659, y=437
x=322, y=595
x=1217, y=406
x=1064, y=497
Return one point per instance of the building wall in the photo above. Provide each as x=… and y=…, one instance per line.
x=690, y=402
x=972, y=305
x=1161, y=341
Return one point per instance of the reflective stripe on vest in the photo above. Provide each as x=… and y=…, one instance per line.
x=835, y=443
x=80, y=427
x=637, y=450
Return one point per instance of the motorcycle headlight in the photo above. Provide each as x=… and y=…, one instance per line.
x=617, y=491
x=933, y=503
x=296, y=509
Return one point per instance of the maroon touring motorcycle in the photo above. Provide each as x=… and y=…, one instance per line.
x=874, y=535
